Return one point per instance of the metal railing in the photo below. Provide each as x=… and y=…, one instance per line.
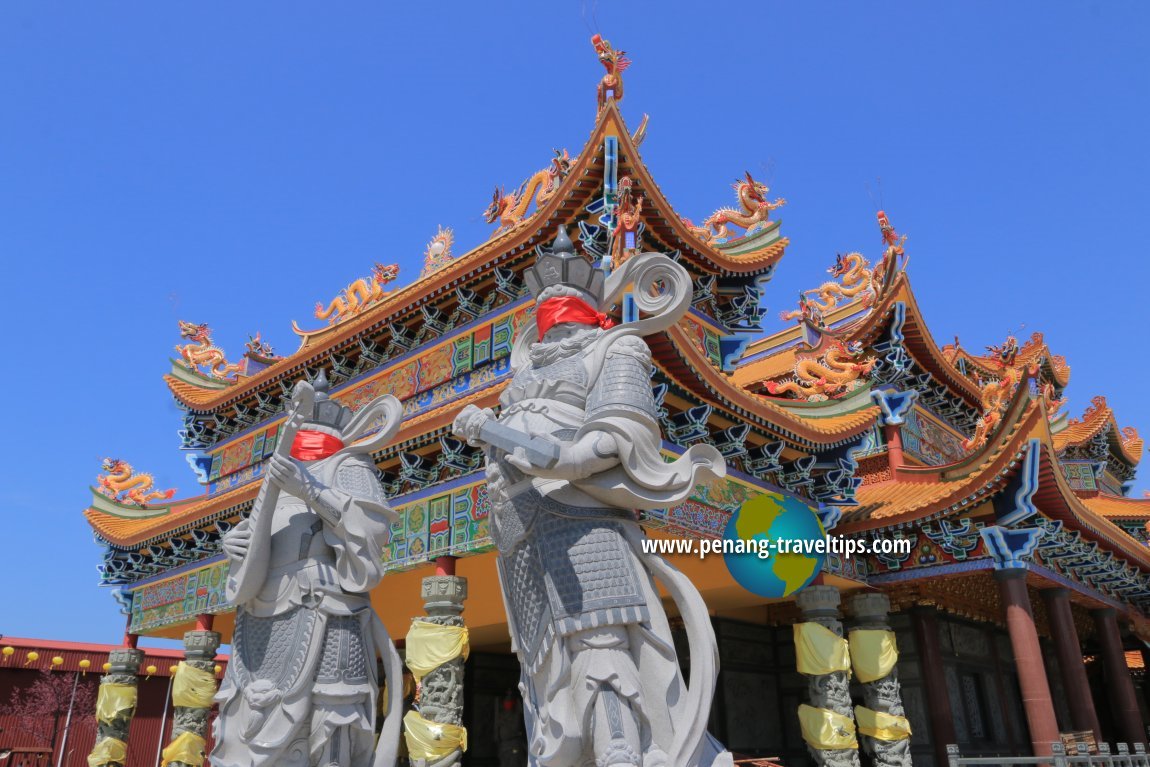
x=1059, y=757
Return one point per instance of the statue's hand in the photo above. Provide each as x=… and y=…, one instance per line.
x=469, y=422
x=236, y=542
x=593, y=453
x=288, y=474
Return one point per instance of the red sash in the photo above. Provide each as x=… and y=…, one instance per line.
x=568, y=309
x=314, y=445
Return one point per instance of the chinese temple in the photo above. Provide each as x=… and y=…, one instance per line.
x=1013, y=616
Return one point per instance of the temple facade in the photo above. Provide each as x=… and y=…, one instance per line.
x=1014, y=613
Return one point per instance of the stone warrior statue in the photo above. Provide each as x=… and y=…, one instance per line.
x=301, y=688
x=574, y=452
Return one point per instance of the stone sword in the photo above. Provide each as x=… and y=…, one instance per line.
x=540, y=451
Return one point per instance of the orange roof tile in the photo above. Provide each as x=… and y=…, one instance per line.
x=1118, y=507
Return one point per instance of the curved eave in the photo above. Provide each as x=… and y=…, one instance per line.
x=482, y=259
x=1095, y=420
x=923, y=493
x=899, y=503
x=689, y=369
x=133, y=533
x=1034, y=350
x=662, y=220
x=867, y=330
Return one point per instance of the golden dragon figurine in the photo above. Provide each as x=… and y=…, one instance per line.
x=856, y=280
x=754, y=211
x=511, y=209
x=358, y=295
x=615, y=62
x=831, y=369
x=996, y=392
x=201, y=352
x=123, y=485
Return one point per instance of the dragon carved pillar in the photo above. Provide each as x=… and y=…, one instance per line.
x=193, y=688
x=436, y=648
x=115, y=706
x=874, y=655
x=828, y=724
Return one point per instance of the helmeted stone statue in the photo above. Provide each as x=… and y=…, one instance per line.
x=573, y=453
x=301, y=689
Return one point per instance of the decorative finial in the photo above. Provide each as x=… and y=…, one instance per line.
x=562, y=242
x=321, y=385
x=615, y=62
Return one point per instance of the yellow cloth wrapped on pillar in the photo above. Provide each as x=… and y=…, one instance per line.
x=818, y=650
x=188, y=748
x=431, y=740
x=192, y=687
x=874, y=653
x=107, y=751
x=115, y=700
x=882, y=726
x=430, y=645
x=826, y=729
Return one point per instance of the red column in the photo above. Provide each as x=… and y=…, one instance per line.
x=1070, y=665
x=893, y=448
x=925, y=620
x=1118, y=682
x=204, y=622
x=1036, y=700
x=445, y=565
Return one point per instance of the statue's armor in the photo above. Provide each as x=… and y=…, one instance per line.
x=305, y=639
x=564, y=559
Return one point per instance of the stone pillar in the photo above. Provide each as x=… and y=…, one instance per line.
x=190, y=711
x=883, y=695
x=115, y=707
x=820, y=604
x=1032, y=679
x=1073, y=670
x=1118, y=683
x=441, y=688
x=925, y=621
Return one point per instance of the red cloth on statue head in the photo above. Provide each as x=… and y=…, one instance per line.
x=568, y=309
x=314, y=445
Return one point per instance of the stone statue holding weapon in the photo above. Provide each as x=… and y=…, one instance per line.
x=301, y=690
x=571, y=457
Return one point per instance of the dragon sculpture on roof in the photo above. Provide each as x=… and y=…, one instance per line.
x=359, y=295
x=830, y=369
x=855, y=281
x=996, y=392
x=615, y=62
x=123, y=485
x=511, y=209
x=753, y=213
x=202, y=353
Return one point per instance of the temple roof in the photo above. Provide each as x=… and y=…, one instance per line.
x=1034, y=352
x=738, y=256
x=773, y=357
x=918, y=494
x=1116, y=507
x=1097, y=418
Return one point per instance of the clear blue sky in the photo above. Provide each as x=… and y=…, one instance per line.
x=235, y=163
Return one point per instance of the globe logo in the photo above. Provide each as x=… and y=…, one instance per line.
x=760, y=523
